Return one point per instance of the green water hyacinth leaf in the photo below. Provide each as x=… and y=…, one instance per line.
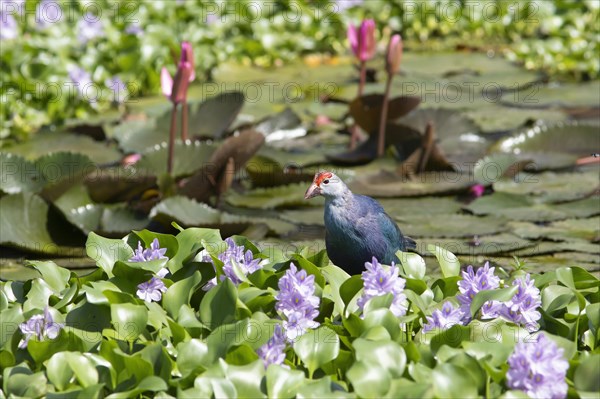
x=502, y=295
x=128, y=320
x=283, y=383
x=317, y=347
x=179, y=294
x=63, y=366
x=451, y=381
x=106, y=251
x=56, y=277
x=448, y=261
x=219, y=304
x=386, y=355
x=412, y=264
x=368, y=381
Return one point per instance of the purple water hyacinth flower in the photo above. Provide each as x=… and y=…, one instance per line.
x=155, y=252
x=151, y=290
x=297, y=302
x=522, y=308
x=444, y=318
x=273, y=352
x=48, y=12
x=378, y=281
x=473, y=282
x=40, y=326
x=83, y=81
x=236, y=261
x=119, y=89
x=539, y=369
x=343, y=5
x=89, y=27
x=134, y=29
x=9, y=29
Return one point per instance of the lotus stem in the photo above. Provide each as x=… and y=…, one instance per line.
x=184, y=121
x=384, y=112
x=361, y=89
x=172, y=138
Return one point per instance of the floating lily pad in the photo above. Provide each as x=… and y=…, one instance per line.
x=23, y=223
x=307, y=216
x=552, y=147
x=366, y=110
x=549, y=186
x=19, y=174
x=492, y=117
x=391, y=185
x=187, y=212
x=564, y=230
x=563, y=94
x=485, y=245
x=187, y=158
x=414, y=206
x=271, y=198
x=457, y=136
x=216, y=176
x=520, y=207
x=49, y=142
x=81, y=211
x=454, y=225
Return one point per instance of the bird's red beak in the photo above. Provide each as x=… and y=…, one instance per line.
x=312, y=191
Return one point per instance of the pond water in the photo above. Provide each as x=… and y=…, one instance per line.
x=509, y=130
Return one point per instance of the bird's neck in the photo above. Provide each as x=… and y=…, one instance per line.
x=343, y=199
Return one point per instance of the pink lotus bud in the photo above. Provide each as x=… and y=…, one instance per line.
x=187, y=55
x=181, y=82
x=166, y=82
x=362, y=40
x=394, y=55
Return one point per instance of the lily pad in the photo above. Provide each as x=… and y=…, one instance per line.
x=548, y=147
x=388, y=184
x=521, y=207
x=111, y=220
x=188, y=158
x=551, y=187
x=19, y=174
x=23, y=223
x=271, y=198
x=49, y=142
x=366, y=110
x=485, y=245
x=455, y=225
x=457, y=136
x=564, y=230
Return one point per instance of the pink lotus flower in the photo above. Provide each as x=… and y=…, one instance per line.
x=362, y=40
x=176, y=89
x=393, y=57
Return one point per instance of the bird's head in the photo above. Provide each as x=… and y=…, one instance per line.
x=326, y=184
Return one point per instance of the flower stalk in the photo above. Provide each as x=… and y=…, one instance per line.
x=392, y=66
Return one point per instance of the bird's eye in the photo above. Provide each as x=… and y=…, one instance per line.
x=326, y=181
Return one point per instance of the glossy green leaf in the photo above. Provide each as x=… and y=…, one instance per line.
x=317, y=347
x=448, y=261
x=503, y=294
x=218, y=305
x=105, y=251
x=283, y=383
x=129, y=320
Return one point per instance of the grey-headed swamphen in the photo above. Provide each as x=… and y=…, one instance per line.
x=356, y=226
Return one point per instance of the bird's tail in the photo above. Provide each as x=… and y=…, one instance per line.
x=409, y=243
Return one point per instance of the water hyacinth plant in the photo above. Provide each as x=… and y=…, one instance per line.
x=294, y=327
